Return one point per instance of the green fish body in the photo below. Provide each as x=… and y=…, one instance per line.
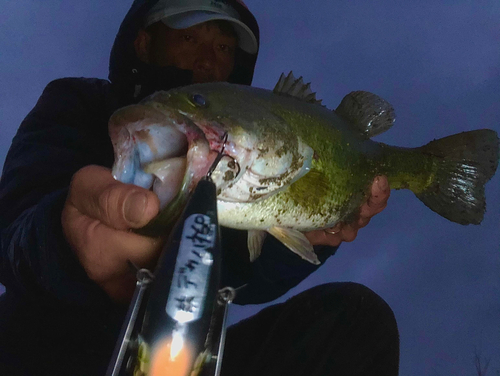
x=292, y=165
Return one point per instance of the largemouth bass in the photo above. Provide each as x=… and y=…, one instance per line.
x=290, y=164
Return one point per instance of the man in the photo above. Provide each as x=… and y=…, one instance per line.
x=65, y=221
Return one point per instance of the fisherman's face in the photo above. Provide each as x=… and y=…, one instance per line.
x=205, y=49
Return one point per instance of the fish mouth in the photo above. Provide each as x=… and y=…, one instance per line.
x=190, y=157
x=166, y=151
x=169, y=175
x=176, y=175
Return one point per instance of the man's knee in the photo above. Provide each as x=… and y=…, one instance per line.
x=348, y=298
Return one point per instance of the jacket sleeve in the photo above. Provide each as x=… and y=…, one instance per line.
x=275, y=271
x=67, y=130
x=63, y=133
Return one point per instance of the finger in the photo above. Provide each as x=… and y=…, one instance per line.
x=380, y=191
x=141, y=251
x=348, y=233
x=321, y=237
x=121, y=290
x=379, y=196
x=95, y=193
x=104, y=252
x=335, y=229
x=362, y=222
x=115, y=274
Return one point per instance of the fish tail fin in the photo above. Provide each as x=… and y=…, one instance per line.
x=465, y=162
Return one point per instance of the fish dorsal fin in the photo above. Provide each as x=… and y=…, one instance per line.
x=367, y=112
x=295, y=87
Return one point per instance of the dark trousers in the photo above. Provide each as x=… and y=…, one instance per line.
x=342, y=329
x=335, y=329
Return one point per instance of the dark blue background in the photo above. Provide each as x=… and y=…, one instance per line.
x=437, y=62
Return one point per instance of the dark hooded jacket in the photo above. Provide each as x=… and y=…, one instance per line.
x=53, y=319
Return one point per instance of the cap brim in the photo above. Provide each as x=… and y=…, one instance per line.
x=246, y=40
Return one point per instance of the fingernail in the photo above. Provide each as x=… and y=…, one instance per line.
x=135, y=206
x=382, y=184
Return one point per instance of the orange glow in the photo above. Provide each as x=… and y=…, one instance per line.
x=163, y=365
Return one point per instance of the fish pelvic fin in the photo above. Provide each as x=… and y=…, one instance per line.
x=296, y=242
x=255, y=240
x=466, y=161
x=368, y=113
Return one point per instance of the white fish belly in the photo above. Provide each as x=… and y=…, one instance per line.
x=271, y=212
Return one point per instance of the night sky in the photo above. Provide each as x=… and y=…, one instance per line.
x=437, y=62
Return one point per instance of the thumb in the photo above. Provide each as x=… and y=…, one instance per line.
x=95, y=193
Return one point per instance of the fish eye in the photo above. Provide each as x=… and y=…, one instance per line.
x=199, y=100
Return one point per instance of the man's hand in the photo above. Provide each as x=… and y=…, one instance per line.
x=342, y=232
x=96, y=218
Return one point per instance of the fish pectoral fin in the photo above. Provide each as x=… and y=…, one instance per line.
x=296, y=242
x=255, y=240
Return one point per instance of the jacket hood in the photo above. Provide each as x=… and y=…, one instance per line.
x=136, y=79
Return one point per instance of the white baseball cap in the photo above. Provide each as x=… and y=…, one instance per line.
x=181, y=14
